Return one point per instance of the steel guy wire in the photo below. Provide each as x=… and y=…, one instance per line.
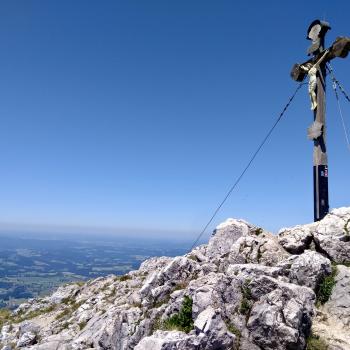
x=251, y=160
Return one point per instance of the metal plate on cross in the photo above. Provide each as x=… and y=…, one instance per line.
x=315, y=130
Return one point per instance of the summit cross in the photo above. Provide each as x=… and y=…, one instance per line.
x=316, y=69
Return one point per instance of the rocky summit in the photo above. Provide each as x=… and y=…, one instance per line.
x=246, y=289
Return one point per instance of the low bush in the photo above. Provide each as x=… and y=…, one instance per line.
x=5, y=315
x=246, y=303
x=182, y=321
x=325, y=289
x=314, y=342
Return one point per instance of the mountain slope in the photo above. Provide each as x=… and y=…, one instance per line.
x=246, y=289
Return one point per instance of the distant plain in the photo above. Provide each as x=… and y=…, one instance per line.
x=32, y=265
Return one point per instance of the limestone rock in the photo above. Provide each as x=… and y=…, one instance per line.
x=295, y=240
x=332, y=322
x=309, y=269
x=250, y=290
x=282, y=316
x=332, y=235
x=26, y=339
x=161, y=340
x=225, y=235
x=212, y=330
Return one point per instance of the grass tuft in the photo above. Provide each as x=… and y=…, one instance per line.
x=181, y=321
x=325, y=289
x=258, y=231
x=246, y=298
x=5, y=316
x=314, y=342
x=82, y=325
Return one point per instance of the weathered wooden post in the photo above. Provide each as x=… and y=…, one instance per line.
x=316, y=33
x=315, y=68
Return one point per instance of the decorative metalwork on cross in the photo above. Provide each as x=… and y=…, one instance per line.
x=315, y=69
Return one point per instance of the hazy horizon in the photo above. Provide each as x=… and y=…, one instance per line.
x=138, y=116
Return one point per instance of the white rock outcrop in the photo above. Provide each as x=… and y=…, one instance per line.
x=246, y=289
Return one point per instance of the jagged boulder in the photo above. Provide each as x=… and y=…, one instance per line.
x=282, y=316
x=331, y=236
x=308, y=269
x=26, y=339
x=225, y=235
x=212, y=330
x=295, y=240
x=238, y=242
x=160, y=283
x=161, y=340
x=332, y=321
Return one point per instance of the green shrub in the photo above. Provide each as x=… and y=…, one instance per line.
x=62, y=314
x=82, y=325
x=245, y=307
x=182, y=321
x=73, y=306
x=33, y=314
x=258, y=231
x=325, y=289
x=234, y=330
x=346, y=229
x=64, y=325
x=246, y=298
x=314, y=342
x=67, y=300
x=5, y=315
x=123, y=278
x=193, y=257
x=259, y=256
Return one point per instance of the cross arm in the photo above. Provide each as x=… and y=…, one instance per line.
x=340, y=48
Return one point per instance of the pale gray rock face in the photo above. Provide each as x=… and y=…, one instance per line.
x=237, y=242
x=26, y=339
x=225, y=235
x=295, y=240
x=158, y=286
x=251, y=271
x=155, y=264
x=332, y=321
x=258, y=249
x=339, y=302
x=212, y=330
x=210, y=333
x=309, y=269
x=330, y=235
x=282, y=316
x=250, y=290
x=161, y=340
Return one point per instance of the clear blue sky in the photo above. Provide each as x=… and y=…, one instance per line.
x=141, y=114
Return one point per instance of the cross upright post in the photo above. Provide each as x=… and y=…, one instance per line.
x=320, y=159
x=315, y=68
